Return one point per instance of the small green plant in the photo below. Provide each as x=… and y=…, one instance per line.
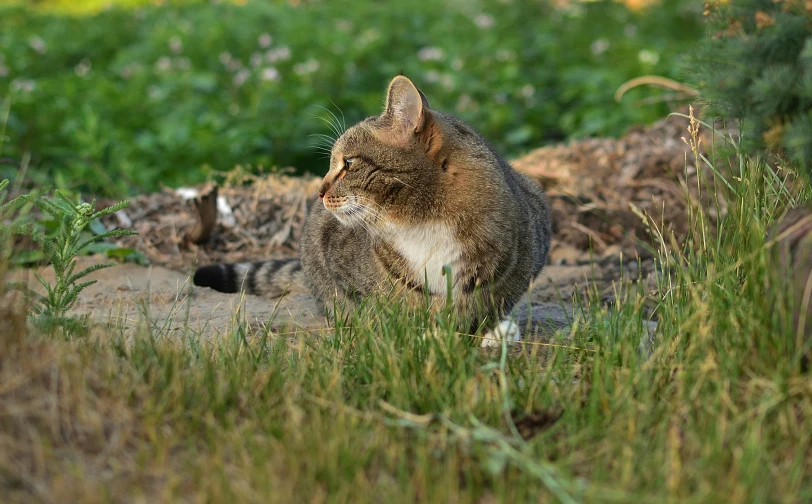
x=65, y=245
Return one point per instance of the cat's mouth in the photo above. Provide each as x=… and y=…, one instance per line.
x=354, y=211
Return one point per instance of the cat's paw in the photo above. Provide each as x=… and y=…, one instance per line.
x=506, y=329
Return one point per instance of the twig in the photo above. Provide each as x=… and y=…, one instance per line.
x=654, y=80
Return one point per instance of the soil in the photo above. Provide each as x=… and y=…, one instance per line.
x=607, y=196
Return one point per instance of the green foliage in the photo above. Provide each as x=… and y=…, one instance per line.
x=128, y=99
x=756, y=65
x=62, y=248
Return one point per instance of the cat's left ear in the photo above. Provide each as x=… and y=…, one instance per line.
x=406, y=105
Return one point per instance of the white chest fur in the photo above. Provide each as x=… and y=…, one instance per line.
x=426, y=249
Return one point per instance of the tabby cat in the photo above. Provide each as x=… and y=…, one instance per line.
x=408, y=192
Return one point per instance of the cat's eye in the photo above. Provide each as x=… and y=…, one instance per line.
x=348, y=162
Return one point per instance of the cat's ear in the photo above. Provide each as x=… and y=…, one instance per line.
x=406, y=105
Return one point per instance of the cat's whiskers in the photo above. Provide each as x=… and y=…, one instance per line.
x=402, y=182
x=375, y=210
x=329, y=140
x=323, y=145
x=324, y=141
x=343, y=119
x=335, y=126
x=353, y=213
x=362, y=211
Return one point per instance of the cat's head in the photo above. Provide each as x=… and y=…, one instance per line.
x=394, y=168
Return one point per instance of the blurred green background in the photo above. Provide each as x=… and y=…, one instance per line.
x=119, y=97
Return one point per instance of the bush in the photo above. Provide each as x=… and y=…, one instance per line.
x=756, y=65
x=128, y=99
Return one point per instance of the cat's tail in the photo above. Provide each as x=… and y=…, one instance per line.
x=267, y=278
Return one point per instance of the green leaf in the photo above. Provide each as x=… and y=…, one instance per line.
x=99, y=246
x=43, y=282
x=111, y=209
x=70, y=297
x=95, y=248
x=96, y=226
x=128, y=254
x=87, y=271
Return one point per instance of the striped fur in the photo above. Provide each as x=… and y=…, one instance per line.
x=267, y=278
x=408, y=192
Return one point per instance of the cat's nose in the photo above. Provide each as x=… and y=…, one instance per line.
x=325, y=186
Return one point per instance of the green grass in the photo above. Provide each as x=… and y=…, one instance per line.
x=176, y=92
x=373, y=412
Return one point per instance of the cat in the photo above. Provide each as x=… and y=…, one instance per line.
x=407, y=193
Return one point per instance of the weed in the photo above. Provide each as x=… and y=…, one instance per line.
x=62, y=247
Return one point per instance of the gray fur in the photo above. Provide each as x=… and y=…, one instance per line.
x=419, y=178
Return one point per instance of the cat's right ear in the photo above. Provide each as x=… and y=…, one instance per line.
x=406, y=105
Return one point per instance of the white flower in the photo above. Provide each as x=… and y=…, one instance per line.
x=432, y=76
x=128, y=70
x=430, y=54
x=233, y=65
x=256, y=59
x=527, y=91
x=464, y=102
x=648, y=57
x=447, y=81
x=278, y=54
x=269, y=74
x=369, y=36
x=175, y=44
x=307, y=67
x=82, y=69
x=483, y=21
x=599, y=46
x=241, y=77
x=163, y=64
x=154, y=92
x=3, y=70
x=38, y=45
x=225, y=57
x=24, y=85
x=264, y=40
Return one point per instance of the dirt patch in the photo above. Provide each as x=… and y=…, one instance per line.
x=599, y=189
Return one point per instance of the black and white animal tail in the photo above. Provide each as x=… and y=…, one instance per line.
x=266, y=278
